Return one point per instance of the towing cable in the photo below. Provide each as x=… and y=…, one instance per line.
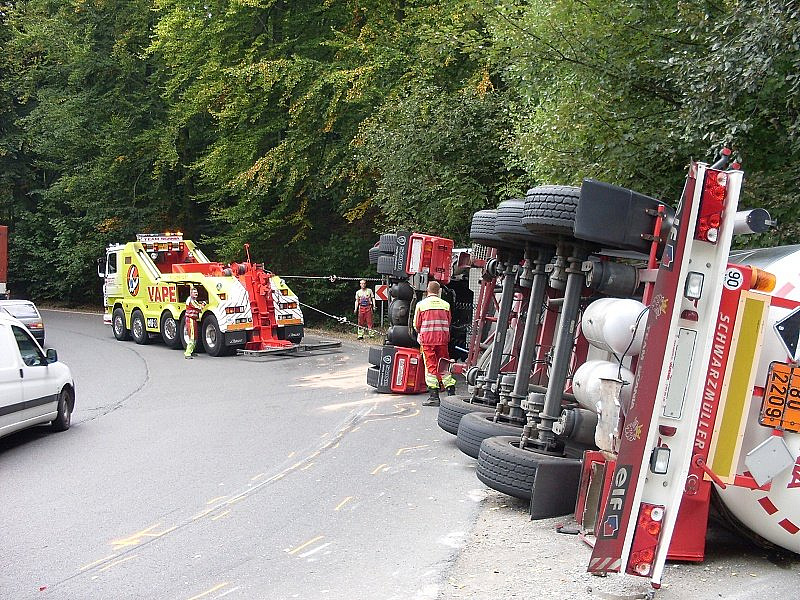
x=342, y=320
x=331, y=278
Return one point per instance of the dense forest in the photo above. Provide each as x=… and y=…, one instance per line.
x=305, y=127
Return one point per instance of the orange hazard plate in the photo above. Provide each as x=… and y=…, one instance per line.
x=780, y=408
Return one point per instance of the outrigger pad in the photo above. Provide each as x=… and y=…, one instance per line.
x=555, y=487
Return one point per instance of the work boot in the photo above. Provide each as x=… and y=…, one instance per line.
x=433, y=399
x=451, y=390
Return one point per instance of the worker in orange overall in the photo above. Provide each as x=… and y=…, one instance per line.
x=192, y=316
x=365, y=304
x=432, y=322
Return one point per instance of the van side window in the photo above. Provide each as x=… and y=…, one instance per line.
x=111, y=267
x=31, y=355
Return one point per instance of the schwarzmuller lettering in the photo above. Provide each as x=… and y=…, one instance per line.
x=712, y=387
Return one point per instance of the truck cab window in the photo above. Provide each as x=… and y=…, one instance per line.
x=31, y=355
x=111, y=267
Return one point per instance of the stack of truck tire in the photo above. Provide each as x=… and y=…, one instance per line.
x=526, y=419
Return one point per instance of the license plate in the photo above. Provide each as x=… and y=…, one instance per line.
x=780, y=408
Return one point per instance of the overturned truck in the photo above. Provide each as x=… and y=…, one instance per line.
x=638, y=368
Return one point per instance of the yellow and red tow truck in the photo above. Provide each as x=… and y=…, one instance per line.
x=146, y=283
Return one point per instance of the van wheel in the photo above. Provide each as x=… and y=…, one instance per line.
x=138, y=328
x=169, y=331
x=212, y=337
x=118, y=325
x=63, y=419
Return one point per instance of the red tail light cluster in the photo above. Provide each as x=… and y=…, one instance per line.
x=645, y=540
x=712, y=204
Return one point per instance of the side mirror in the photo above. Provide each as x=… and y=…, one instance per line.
x=52, y=355
x=101, y=267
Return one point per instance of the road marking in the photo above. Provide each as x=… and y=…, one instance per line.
x=219, y=586
x=409, y=449
x=342, y=503
x=215, y=500
x=379, y=468
x=306, y=544
x=308, y=466
x=230, y=591
x=220, y=515
x=136, y=538
x=357, y=403
x=291, y=454
x=315, y=550
x=203, y=514
x=97, y=562
x=257, y=477
x=115, y=563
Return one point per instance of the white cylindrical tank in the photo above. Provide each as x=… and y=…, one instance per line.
x=586, y=382
x=615, y=324
x=773, y=514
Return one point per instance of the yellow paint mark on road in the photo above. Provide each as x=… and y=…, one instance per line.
x=308, y=466
x=291, y=454
x=97, y=562
x=343, y=502
x=200, y=515
x=238, y=498
x=410, y=449
x=257, y=477
x=306, y=544
x=137, y=538
x=379, y=468
x=220, y=515
x=116, y=562
x=219, y=586
x=215, y=500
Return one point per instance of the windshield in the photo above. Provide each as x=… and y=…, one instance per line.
x=22, y=311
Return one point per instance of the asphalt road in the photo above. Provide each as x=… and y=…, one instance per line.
x=227, y=477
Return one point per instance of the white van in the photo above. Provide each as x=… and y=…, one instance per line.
x=34, y=387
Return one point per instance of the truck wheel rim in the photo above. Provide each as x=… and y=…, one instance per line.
x=137, y=328
x=170, y=328
x=211, y=336
x=118, y=325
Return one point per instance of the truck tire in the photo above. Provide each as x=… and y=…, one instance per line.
x=453, y=408
x=507, y=468
x=400, y=335
x=139, y=328
x=402, y=290
x=481, y=229
x=169, y=330
x=213, y=340
x=385, y=264
x=508, y=223
x=550, y=210
x=398, y=312
x=388, y=243
x=121, y=332
x=374, y=253
x=477, y=426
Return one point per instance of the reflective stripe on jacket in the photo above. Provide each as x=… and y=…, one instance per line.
x=193, y=309
x=432, y=321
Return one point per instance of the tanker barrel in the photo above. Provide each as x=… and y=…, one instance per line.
x=757, y=220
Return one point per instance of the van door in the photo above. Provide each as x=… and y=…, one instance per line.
x=39, y=391
x=10, y=378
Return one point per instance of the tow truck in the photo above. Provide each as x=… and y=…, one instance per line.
x=146, y=282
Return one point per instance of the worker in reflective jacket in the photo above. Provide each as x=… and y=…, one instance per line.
x=432, y=322
x=192, y=316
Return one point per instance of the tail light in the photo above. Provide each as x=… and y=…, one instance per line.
x=712, y=204
x=232, y=310
x=411, y=382
x=645, y=540
x=427, y=254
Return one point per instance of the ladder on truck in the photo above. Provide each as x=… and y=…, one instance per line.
x=658, y=464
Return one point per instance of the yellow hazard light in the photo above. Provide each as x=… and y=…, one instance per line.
x=761, y=280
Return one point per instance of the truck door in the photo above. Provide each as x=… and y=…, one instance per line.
x=10, y=378
x=112, y=284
